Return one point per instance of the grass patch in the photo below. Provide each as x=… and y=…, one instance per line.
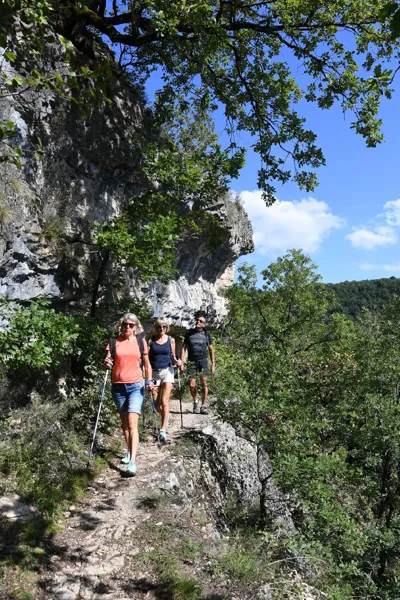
x=247, y=561
x=239, y=565
x=177, y=585
x=23, y=547
x=5, y=212
x=20, y=594
x=170, y=551
x=146, y=422
x=189, y=550
x=184, y=589
x=50, y=482
x=52, y=229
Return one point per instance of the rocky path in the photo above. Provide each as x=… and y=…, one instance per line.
x=98, y=548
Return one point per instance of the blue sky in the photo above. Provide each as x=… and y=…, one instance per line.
x=350, y=225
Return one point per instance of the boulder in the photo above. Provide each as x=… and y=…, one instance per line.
x=233, y=468
x=13, y=509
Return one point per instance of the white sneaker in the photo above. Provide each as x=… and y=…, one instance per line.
x=131, y=468
x=127, y=458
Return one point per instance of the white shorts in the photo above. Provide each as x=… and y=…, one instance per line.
x=163, y=375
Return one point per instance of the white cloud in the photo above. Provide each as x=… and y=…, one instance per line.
x=303, y=224
x=392, y=212
x=368, y=267
x=392, y=268
x=372, y=237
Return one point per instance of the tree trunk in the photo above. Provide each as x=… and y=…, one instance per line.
x=98, y=282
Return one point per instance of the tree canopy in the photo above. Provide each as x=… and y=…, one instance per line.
x=253, y=60
x=320, y=393
x=371, y=294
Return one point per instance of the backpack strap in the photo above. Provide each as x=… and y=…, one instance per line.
x=112, y=343
x=139, y=339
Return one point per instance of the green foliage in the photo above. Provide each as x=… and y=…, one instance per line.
x=239, y=565
x=290, y=313
x=179, y=587
x=52, y=229
x=8, y=131
x=242, y=58
x=189, y=550
x=25, y=35
x=41, y=456
x=184, y=182
x=319, y=393
x=34, y=335
x=391, y=11
x=86, y=404
x=246, y=59
x=372, y=294
x=143, y=237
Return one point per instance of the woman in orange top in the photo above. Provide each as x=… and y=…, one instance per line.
x=127, y=383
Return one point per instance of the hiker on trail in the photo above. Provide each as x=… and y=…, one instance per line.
x=125, y=355
x=162, y=358
x=196, y=342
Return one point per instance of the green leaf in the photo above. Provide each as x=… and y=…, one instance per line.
x=395, y=24
x=388, y=10
x=17, y=79
x=10, y=55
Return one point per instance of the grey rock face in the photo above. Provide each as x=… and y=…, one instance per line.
x=233, y=468
x=204, y=276
x=86, y=172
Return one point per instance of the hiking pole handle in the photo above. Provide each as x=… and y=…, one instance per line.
x=98, y=414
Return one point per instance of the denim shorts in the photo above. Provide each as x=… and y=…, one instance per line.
x=128, y=397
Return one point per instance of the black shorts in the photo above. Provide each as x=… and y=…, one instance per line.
x=198, y=367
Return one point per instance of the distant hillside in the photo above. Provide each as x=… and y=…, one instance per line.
x=369, y=293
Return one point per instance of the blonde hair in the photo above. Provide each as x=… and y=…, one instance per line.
x=130, y=317
x=161, y=321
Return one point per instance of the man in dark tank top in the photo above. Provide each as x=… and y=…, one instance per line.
x=196, y=343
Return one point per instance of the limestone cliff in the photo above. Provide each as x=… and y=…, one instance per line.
x=87, y=168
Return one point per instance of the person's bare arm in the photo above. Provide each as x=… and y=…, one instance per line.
x=177, y=361
x=183, y=355
x=148, y=371
x=212, y=356
x=108, y=361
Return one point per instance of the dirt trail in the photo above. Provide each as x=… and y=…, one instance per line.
x=99, y=547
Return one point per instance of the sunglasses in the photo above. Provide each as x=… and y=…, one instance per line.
x=200, y=321
x=162, y=327
x=131, y=325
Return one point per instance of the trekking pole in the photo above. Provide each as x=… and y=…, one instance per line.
x=180, y=396
x=153, y=410
x=98, y=415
